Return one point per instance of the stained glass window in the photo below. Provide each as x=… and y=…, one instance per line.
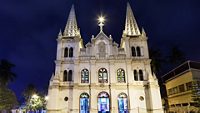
x=121, y=76
x=123, y=103
x=103, y=75
x=84, y=103
x=103, y=103
x=84, y=76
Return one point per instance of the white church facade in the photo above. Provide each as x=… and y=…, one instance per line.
x=103, y=76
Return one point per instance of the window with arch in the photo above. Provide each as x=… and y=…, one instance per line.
x=122, y=103
x=70, y=75
x=103, y=75
x=103, y=103
x=133, y=51
x=70, y=52
x=141, y=76
x=135, y=75
x=66, y=52
x=67, y=75
x=121, y=76
x=84, y=76
x=84, y=103
x=138, y=51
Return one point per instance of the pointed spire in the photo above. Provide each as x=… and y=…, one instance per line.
x=131, y=27
x=71, y=28
x=60, y=34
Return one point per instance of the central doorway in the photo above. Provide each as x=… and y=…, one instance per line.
x=103, y=103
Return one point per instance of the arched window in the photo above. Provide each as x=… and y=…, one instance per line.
x=103, y=75
x=103, y=103
x=122, y=103
x=141, y=75
x=66, y=52
x=121, y=76
x=133, y=51
x=71, y=52
x=135, y=75
x=84, y=76
x=84, y=103
x=70, y=75
x=138, y=51
x=65, y=75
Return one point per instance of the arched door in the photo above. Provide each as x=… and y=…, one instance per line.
x=103, y=103
x=122, y=103
x=84, y=103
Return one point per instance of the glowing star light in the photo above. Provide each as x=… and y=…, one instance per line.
x=101, y=20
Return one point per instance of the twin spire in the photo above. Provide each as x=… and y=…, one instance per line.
x=131, y=27
x=71, y=28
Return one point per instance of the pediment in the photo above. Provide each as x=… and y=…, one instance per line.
x=102, y=36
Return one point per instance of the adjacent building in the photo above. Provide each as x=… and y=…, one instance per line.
x=182, y=84
x=103, y=76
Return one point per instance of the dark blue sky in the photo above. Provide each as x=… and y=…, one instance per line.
x=29, y=28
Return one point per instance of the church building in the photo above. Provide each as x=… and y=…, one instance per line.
x=103, y=76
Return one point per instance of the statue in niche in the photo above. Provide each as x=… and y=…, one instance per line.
x=102, y=49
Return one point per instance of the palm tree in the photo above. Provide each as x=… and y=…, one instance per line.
x=156, y=60
x=176, y=56
x=6, y=74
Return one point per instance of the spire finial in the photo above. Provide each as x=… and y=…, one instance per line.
x=71, y=28
x=131, y=27
x=101, y=21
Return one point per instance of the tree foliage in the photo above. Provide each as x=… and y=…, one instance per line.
x=6, y=74
x=8, y=99
x=29, y=91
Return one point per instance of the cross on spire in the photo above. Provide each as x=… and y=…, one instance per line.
x=101, y=21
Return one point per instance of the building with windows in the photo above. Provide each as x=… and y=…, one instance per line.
x=182, y=84
x=102, y=76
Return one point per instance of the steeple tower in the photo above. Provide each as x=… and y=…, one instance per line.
x=71, y=29
x=131, y=27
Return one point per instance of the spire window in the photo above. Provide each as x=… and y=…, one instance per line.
x=66, y=52
x=138, y=51
x=67, y=76
x=135, y=75
x=138, y=75
x=133, y=51
x=71, y=52
x=141, y=75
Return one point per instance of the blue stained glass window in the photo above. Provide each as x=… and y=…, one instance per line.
x=103, y=103
x=123, y=103
x=84, y=103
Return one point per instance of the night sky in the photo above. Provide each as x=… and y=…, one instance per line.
x=29, y=28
